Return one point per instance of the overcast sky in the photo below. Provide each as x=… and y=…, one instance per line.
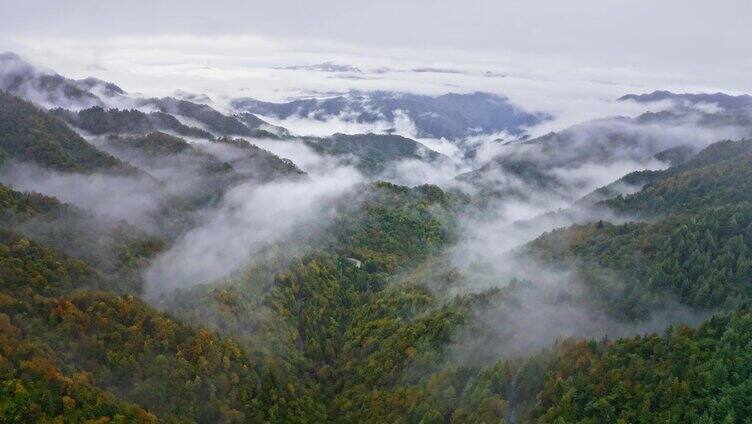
x=670, y=31
x=588, y=47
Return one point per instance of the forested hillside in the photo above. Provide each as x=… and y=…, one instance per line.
x=29, y=134
x=373, y=151
x=718, y=176
x=114, y=248
x=684, y=375
x=82, y=350
x=174, y=272
x=97, y=120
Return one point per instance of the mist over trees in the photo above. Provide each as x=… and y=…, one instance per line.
x=166, y=259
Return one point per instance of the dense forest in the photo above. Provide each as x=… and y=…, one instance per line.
x=29, y=134
x=360, y=315
x=97, y=120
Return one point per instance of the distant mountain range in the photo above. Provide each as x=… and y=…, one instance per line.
x=324, y=67
x=723, y=100
x=450, y=116
x=669, y=136
x=98, y=108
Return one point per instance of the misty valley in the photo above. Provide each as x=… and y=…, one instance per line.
x=370, y=256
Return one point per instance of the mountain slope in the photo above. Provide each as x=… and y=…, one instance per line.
x=451, y=116
x=116, y=347
x=719, y=175
x=95, y=106
x=253, y=161
x=113, y=248
x=30, y=134
x=700, y=259
x=97, y=120
x=227, y=160
x=194, y=177
x=246, y=125
x=373, y=152
x=544, y=163
x=310, y=312
x=695, y=251
x=35, y=382
x=49, y=89
x=687, y=375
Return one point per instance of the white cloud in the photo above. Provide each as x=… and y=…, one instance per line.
x=250, y=216
x=239, y=65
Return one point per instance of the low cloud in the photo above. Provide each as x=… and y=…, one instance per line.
x=302, y=155
x=532, y=302
x=134, y=199
x=250, y=217
x=553, y=304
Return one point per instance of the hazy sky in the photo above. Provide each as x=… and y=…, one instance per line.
x=664, y=31
x=549, y=51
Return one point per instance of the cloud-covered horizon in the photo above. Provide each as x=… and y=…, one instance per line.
x=228, y=67
x=571, y=60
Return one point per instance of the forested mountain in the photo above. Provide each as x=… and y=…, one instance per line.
x=331, y=296
x=373, y=152
x=49, y=89
x=167, y=352
x=198, y=173
x=28, y=134
x=112, y=111
x=242, y=125
x=70, y=354
x=321, y=339
x=723, y=100
x=544, y=164
x=195, y=177
x=715, y=158
x=168, y=178
x=114, y=248
x=695, y=247
x=720, y=175
x=451, y=116
x=223, y=155
x=100, y=107
x=686, y=375
x=251, y=160
x=98, y=121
